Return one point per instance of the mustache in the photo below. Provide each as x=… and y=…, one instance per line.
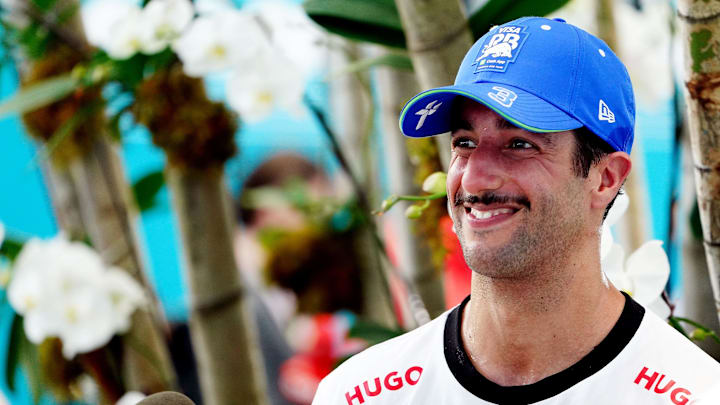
x=491, y=198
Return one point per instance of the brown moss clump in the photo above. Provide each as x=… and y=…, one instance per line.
x=45, y=122
x=194, y=131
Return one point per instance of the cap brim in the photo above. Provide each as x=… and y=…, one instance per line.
x=428, y=113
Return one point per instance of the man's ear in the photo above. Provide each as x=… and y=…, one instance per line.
x=612, y=170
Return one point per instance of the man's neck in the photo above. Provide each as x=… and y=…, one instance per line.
x=517, y=332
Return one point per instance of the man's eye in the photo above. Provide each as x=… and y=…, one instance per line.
x=463, y=143
x=520, y=144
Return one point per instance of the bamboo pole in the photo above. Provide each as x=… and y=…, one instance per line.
x=700, y=27
x=89, y=190
x=437, y=39
x=415, y=256
x=225, y=346
x=352, y=121
x=197, y=136
x=110, y=219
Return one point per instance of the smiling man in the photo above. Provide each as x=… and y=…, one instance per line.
x=541, y=117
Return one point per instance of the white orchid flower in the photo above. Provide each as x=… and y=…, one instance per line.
x=645, y=272
x=292, y=33
x=126, y=36
x=87, y=322
x=220, y=41
x=162, y=22
x=126, y=296
x=101, y=16
x=616, y=212
x=63, y=289
x=255, y=91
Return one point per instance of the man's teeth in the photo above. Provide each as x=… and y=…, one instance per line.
x=488, y=214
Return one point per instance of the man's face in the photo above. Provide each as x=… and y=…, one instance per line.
x=513, y=196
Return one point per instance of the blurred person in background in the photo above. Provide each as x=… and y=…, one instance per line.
x=295, y=247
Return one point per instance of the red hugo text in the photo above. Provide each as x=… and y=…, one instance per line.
x=678, y=395
x=393, y=382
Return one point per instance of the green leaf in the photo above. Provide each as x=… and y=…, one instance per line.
x=396, y=60
x=38, y=95
x=21, y=352
x=676, y=324
x=130, y=72
x=378, y=21
x=496, y=12
x=373, y=333
x=11, y=248
x=147, y=188
x=44, y=5
x=33, y=39
x=374, y=21
x=13, y=352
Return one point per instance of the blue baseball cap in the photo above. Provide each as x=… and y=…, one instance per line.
x=540, y=74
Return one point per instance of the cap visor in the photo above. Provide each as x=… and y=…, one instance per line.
x=428, y=113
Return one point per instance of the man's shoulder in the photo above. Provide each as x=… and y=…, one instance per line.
x=407, y=346
x=661, y=361
x=661, y=341
x=390, y=365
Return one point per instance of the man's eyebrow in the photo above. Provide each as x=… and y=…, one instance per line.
x=458, y=122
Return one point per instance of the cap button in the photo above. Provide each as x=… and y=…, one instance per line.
x=559, y=20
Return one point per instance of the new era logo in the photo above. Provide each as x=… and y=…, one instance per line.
x=428, y=110
x=604, y=113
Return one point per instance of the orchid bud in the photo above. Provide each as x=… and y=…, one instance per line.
x=435, y=183
x=414, y=211
x=699, y=334
x=388, y=203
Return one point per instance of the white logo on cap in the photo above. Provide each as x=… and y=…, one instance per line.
x=503, y=96
x=428, y=110
x=500, y=49
x=604, y=113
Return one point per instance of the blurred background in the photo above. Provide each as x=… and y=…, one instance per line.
x=214, y=197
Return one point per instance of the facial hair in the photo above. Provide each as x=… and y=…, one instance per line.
x=550, y=229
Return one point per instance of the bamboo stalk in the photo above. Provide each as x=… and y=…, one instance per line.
x=396, y=88
x=63, y=196
x=110, y=223
x=89, y=189
x=701, y=33
x=352, y=122
x=437, y=39
x=225, y=346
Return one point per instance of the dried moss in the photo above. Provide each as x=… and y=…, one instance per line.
x=194, y=131
x=44, y=122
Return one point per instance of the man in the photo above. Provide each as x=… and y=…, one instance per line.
x=541, y=118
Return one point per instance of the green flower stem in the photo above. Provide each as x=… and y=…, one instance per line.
x=393, y=199
x=363, y=203
x=698, y=325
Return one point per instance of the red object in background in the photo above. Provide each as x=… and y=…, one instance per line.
x=457, y=272
x=301, y=374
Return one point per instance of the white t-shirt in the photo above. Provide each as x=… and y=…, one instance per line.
x=641, y=361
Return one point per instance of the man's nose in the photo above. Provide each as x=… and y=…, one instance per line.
x=482, y=172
